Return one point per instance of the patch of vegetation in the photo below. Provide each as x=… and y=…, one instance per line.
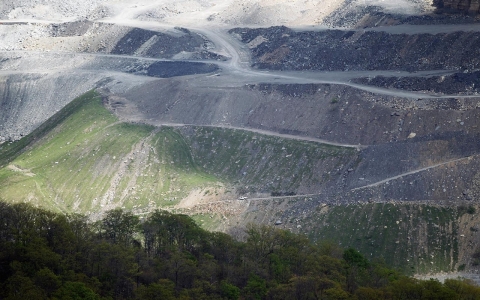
x=471, y=210
x=414, y=238
x=463, y=209
x=207, y=221
x=264, y=163
x=476, y=257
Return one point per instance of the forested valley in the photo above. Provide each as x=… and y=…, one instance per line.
x=44, y=255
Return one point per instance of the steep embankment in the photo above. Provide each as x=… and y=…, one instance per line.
x=35, y=85
x=334, y=113
x=408, y=144
x=267, y=164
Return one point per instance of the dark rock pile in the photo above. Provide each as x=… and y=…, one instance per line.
x=471, y=7
x=338, y=50
x=458, y=83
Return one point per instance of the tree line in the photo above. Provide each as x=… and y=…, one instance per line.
x=44, y=255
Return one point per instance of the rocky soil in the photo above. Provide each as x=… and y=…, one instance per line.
x=464, y=83
x=231, y=12
x=331, y=50
x=333, y=112
x=360, y=13
x=455, y=6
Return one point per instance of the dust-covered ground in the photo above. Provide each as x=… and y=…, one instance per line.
x=202, y=12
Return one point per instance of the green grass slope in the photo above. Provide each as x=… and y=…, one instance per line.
x=11, y=150
x=85, y=160
x=416, y=238
x=261, y=163
x=413, y=237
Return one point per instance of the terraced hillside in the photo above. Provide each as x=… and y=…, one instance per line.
x=338, y=133
x=85, y=160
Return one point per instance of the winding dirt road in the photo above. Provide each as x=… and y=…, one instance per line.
x=265, y=132
x=410, y=173
x=237, y=69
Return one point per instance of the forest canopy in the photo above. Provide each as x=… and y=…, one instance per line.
x=44, y=255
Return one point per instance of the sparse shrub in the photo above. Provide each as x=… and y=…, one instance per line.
x=334, y=100
x=242, y=190
x=462, y=209
x=476, y=257
x=355, y=258
x=471, y=210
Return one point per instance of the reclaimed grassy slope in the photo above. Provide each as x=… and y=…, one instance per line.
x=210, y=222
x=416, y=238
x=261, y=163
x=89, y=162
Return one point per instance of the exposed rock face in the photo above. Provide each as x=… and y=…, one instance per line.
x=471, y=7
x=404, y=135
